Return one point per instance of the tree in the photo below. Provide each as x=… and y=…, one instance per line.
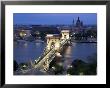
x=15, y=65
x=79, y=67
x=23, y=66
x=58, y=69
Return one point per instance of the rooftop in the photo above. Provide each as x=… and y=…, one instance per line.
x=64, y=30
x=53, y=35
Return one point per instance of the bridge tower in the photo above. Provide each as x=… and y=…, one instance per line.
x=53, y=41
x=65, y=34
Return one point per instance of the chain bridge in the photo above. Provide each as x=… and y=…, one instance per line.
x=55, y=44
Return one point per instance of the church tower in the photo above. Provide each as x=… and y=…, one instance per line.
x=78, y=22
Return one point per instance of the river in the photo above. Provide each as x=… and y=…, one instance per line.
x=25, y=51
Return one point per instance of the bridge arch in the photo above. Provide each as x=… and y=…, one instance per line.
x=52, y=45
x=53, y=41
x=65, y=34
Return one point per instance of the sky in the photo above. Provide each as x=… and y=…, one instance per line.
x=54, y=18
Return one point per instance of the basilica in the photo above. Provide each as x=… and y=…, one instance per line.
x=78, y=26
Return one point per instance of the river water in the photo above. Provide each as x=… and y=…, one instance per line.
x=26, y=51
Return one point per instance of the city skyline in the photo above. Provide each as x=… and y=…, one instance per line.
x=54, y=18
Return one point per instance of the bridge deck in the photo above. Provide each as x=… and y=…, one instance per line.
x=48, y=55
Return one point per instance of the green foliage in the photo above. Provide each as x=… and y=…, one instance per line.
x=15, y=65
x=82, y=68
x=70, y=71
x=58, y=69
x=23, y=66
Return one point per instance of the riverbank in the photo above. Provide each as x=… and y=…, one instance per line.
x=84, y=41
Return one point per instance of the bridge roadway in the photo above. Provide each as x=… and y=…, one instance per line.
x=49, y=56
